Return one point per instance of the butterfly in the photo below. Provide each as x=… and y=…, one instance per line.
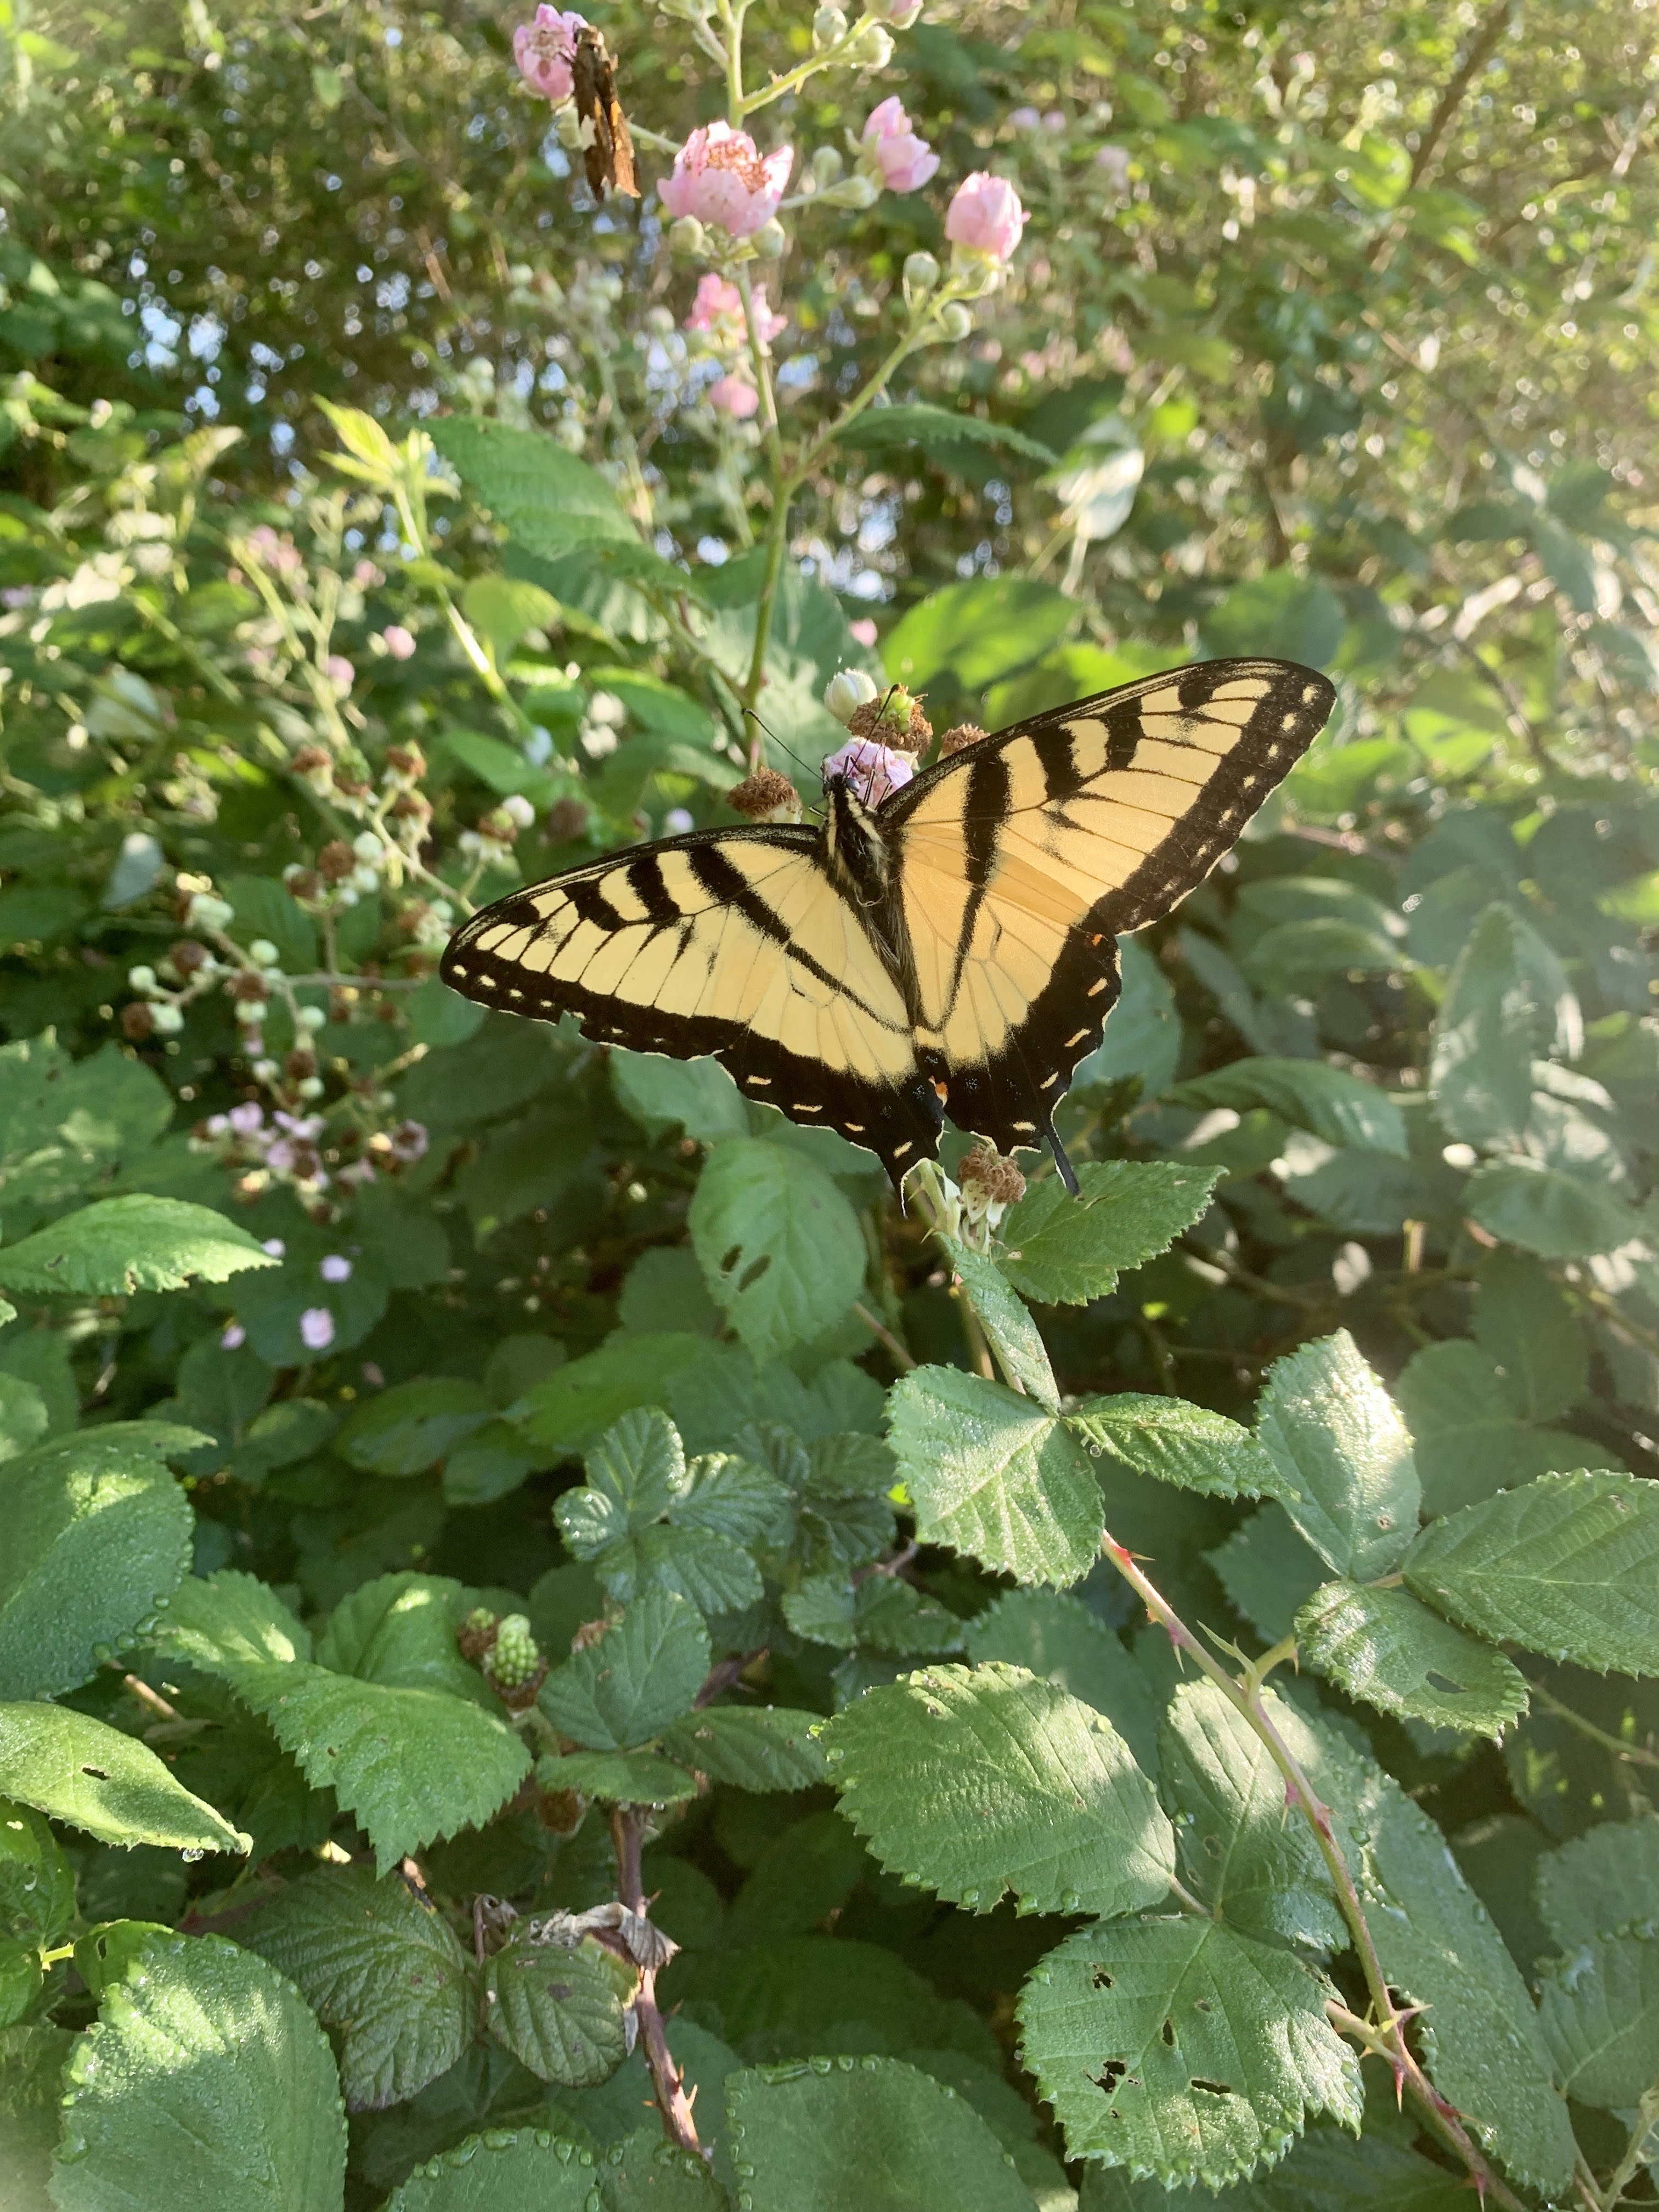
x=607, y=146
x=951, y=949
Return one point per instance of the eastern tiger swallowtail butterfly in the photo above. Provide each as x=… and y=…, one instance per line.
x=952, y=949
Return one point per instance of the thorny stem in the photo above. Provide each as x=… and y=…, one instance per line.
x=667, y=2078
x=1388, y=2035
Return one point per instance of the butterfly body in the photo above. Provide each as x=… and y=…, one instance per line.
x=952, y=949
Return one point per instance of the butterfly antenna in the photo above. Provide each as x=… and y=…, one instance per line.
x=805, y=767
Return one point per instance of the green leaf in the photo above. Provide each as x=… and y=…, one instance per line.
x=715, y=1574
x=631, y=1778
x=779, y=1247
x=30, y=2085
x=757, y=1747
x=492, y=1463
x=879, y=2135
x=65, y=1123
x=981, y=1781
x=23, y=1417
x=1468, y=1439
x=1546, y=1211
x=1061, y=1250
x=634, y=1472
x=975, y=633
x=207, y=2082
x=1178, y=1442
x=1600, y=2010
x=570, y=1412
x=104, y=1954
x=1344, y=1454
x=1308, y=1094
x=543, y=497
x=1143, y=1031
x=98, y=1537
x=558, y=2009
x=1526, y=1324
x=37, y=1882
x=1507, y=1004
x=741, y=1502
x=77, y=1770
x=880, y=1614
x=219, y=1622
x=1014, y=1337
x=378, y=1966
x=1181, y=2049
x=262, y=908
x=1382, y=1646
x=1284, y=612
x=641, y=1675
x=1051, y=1634
x=1568, y=1565
x=408, y=1763
x=1248, y=1857
x=531, y=2170
x=991, y=1474
x=936, y=429
x=1325, y=2172
x=696, y=1095
x=400, y=1631
x=413, y=1425
x=1601, y=1884
x=126, y=1244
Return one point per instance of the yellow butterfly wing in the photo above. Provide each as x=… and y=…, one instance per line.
x=1021, y=858
x=736, y=943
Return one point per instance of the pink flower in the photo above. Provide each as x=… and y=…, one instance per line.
x=717, y=312
x=339, y=672
x=872, y=771
x=244, y=1119
x=986, y=217
x=335, y=1267
x=731, y=396
x=545, y=49
x=398, y=641
x=720, y=177
x=234, y=1337
x=864, y=630
x=1114, y=160
x=901, y=14
x=409, y=1141
x=316, y=1328
x=906, y=160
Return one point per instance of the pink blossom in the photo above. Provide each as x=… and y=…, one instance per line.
x=244, y=1119
x=234, y=1337
x=339, y=672
x=731, y=396
x=366, y=577
x=316, y=1328
x=901, y=14
x=864, y=630
x=717, y=312
x=335, y=1267
x=274, y=552
x=409, y=1142
x=357, y=1171
x=720, y=177
x=398, y=641
x=871, y=771
x=545, y=49
x=1054, y=118
x=985, y=216
x=906, y=160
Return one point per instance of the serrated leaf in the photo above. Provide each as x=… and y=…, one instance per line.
x=696, y=1095
x=1525, y=1321
x=757, y=1747
x=1309, y=1094
x=79, y=1771
x=1600, y=2010
x=634, y=1472
x=620, y=1778
x=1469, y=1441
x=31, y=2077
x=716, y=1575
x=1242, y=1851
x=1326, y=2172
x=378, y=1966
x=98, y=1537
x=1267, y=1571
x=1605, y=1883
x=119, y=1245
x=819, y=1993
x=1382, y=1646
x=880, y=2135
x=1061, y=1250
x=414, y=1425
x=734, y=1498
x=1178, y=1442
x=882, y=1612
x=400, y=1631
x=218, y=1622
x=644, y=1672
x=208, y=2082
x=779, y=1247
x=1013, y=1335
x=1345, y=1460
x=937, y=428
x=1568, y=1565
x=1181, y=2049
x=571, y=1409
x=558, y=2009
x=843, y=1466
x=1507, y=1003
x=529, y=2171
x=409, y=1765
x=1055, y=1636
x=992, y=1474
x=1547, y=1212
x=981, y=1781
x=105, y=1953
x=37, y=1882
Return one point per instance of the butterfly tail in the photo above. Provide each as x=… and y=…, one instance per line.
x=1067, y=1172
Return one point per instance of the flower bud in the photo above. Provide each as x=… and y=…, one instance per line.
x=568, y=124
x=766, y=796
x=312, y=1018
x=955, y=322
x=312, y=1087
x=770, y=239
x=874, y=50
x=847, y=692
x=166, y=1019
x=137, y=1020
x=920, y=272
x=336, y=860
x=367, y=846
x=901, y=14
x=685, y=236
x=206, y=912
x=520, y=811
x=860, y=190
x=264, y=953
x=829, y=28
x=827, y=165
x=266, y=1071
x=140, y=978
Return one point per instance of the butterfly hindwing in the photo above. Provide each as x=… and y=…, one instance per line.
x=1024, y=857
x=731, y=943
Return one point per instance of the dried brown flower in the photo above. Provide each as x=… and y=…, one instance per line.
x=958, y=738
x=766, y=796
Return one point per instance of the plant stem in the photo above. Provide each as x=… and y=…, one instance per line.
x=901, y=1359
x=667, y=2078
x=1636, y=1754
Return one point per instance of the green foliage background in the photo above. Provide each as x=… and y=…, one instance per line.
x=1352, y=1344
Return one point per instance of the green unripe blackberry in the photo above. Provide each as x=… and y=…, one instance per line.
x=516, y=1659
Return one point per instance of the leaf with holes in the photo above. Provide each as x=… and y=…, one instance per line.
x=1349, y=1483
x=1385, y=1647
x=75, y=1770
x=559, y=2009
x=644, y=1672
x=779, y=1247
x=992, y=1474
x=1183, y=2050
x=980, y=1781
x=1061, y=1250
